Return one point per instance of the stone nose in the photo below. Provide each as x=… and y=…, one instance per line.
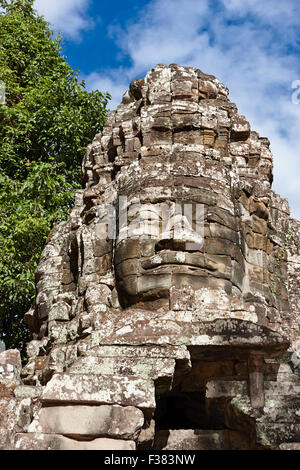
x=179, y=234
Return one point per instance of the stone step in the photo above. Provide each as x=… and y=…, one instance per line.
x=94, y=389
x=201, y=439
x=38, y=441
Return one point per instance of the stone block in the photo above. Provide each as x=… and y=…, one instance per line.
x=28, y=391
x=290, y=446
x=104, y=420
x=14, y=415
x=283, y=408
x=133, y=308
x=12, y=358
x=226, y=388
x=95, y=389
x=271, y=435
x=199, y=439
x=146, y=436
x=240, y=129
x=180, y=353
x=59, y=311
x=118, y=366
x=35, y=441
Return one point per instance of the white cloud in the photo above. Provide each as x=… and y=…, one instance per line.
x=115, y=85
x=247, y=44
x=287, y=11
x=69, y=16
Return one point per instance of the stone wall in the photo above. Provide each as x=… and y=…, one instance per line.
x=155, y=335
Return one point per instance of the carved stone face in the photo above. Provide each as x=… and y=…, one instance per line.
x=159, y=247
x=200, y=264
x=194, y=256
x=185, y=151
x=191, y=171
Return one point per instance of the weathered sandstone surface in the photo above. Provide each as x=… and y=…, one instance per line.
x=167, y=307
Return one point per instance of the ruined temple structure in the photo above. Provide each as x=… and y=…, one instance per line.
x=147, y=337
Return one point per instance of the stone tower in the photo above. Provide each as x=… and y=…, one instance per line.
x=167, y=307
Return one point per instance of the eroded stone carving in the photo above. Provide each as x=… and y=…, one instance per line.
x=178, y=323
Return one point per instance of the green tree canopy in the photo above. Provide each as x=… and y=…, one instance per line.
x=46, y=123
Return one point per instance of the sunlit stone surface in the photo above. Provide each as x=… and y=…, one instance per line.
x=168, y=304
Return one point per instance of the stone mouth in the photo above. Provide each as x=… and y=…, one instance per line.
x=172, y=269
x=176, y=259
x=168, y=258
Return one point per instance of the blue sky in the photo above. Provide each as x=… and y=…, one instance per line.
x=252, y=46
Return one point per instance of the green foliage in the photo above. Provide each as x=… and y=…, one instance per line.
x=45, y=125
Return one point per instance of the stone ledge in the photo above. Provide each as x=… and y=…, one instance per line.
x=172, y=352
x=226, y=336
x=35, y=441
x=161, y=370
x=101, y=421
x=226, y=388
x=28, y=391
x=200, y=439
x=273, y=434
x=95, y=389
x=290, y=446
